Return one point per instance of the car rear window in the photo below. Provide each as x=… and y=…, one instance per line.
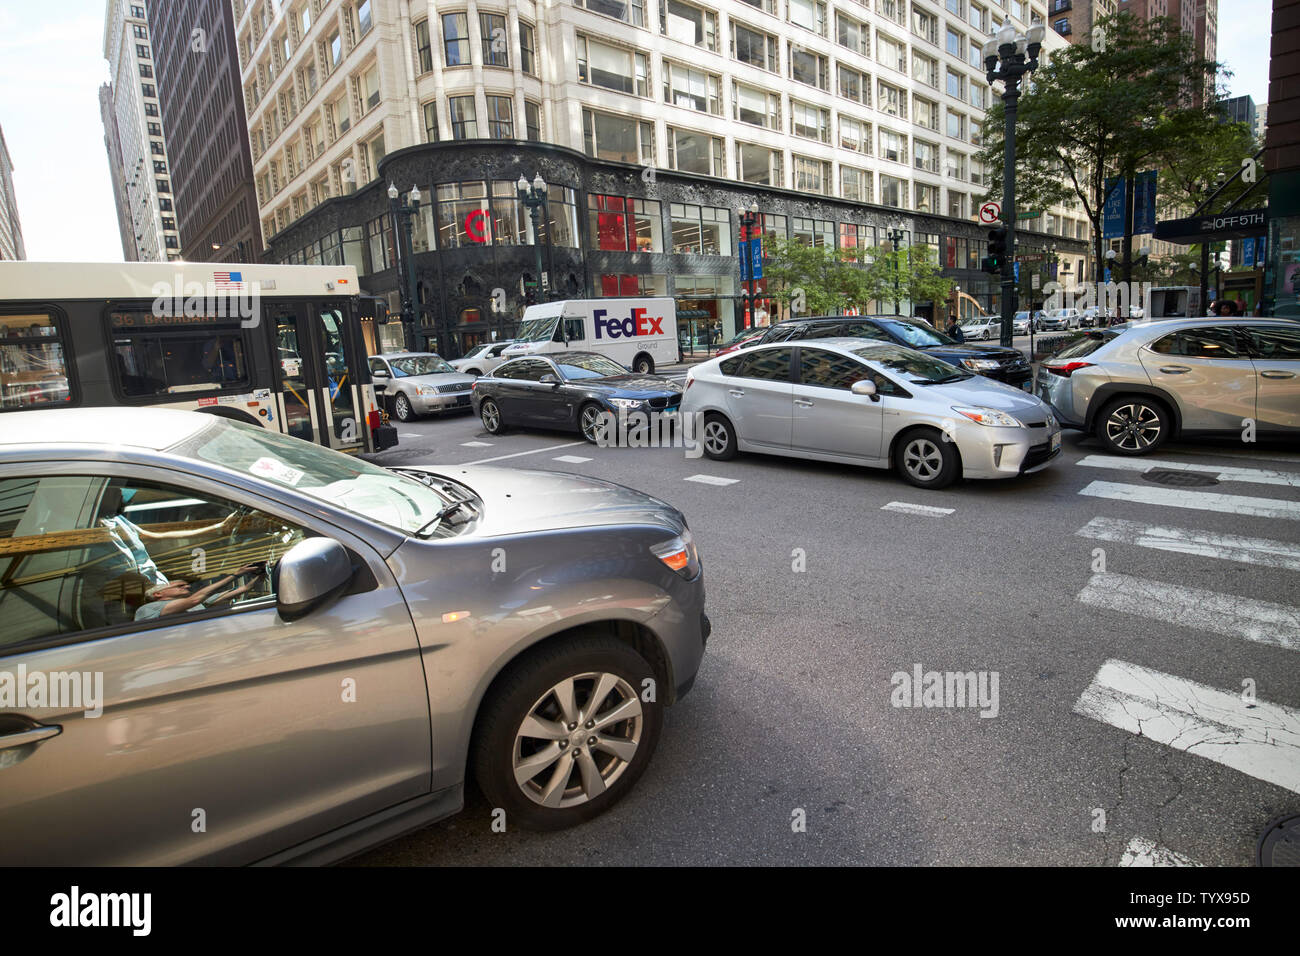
x=1086, y=344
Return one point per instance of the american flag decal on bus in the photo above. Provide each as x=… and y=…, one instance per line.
x=228, y=280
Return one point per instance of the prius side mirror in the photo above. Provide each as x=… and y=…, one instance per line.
x=310, y=575
x=865, y=387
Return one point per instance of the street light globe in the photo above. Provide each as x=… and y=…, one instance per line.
x=1022, y=45
x=392, y=191
x=990, y=48
x=753, y=207
x=538, y=183
x=415, y=194
x=522, y=185
x=1036, y=33
x=1007, y=33
x=1111, y=254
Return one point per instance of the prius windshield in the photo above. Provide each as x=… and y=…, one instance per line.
x=404, y=503
x=537, y=330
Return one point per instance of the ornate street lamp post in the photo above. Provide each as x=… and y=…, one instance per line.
x=534, y=199
x=748, y=222
x=895, y=240
x=402, y=214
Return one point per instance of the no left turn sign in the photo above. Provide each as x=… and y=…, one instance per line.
x=990, y=213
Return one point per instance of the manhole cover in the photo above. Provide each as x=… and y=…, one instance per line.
x=1180, y=479
x=1280, y=843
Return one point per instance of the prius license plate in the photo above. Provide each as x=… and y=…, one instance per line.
x=1056, y=441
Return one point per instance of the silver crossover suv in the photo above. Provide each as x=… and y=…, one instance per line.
x=872, y=403
x=1135, y=385
x=223, y=645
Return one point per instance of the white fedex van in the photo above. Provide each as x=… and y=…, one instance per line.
x=637, y=333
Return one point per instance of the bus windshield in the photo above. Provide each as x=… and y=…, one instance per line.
x=537, y=330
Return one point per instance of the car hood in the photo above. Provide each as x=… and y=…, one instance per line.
x=630, y=385
x=955, y=353
x=437, y=378
x=519, y=501
x=984, y=391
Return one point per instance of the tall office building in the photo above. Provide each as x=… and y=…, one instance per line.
x=116, y=171
x=146, y=174
x=1241, y=109
x=11, y=230
x=200, y=94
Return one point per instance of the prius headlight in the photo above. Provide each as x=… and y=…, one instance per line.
x=987, y=416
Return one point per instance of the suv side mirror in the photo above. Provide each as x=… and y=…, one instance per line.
x=310, y=575
x=865, y=387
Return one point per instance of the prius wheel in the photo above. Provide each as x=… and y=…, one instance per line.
x=566, y=732
x=1133, y=426
x=490, y=415
x=719, y=437
x=924, y=459
x=402, y=408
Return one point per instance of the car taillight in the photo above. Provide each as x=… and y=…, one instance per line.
x=473, y=385
x=1068, y=369
x=689, y=382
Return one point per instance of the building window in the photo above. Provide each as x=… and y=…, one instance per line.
x=861, y=238
x=464, y=120
x=891, y=52
x=163, y=186
x=154, y=129
x=692, y=89
x=137, y=11
x=700, y=230
x=501, y=121
x=156, y=148
x=925, y=155
x=527, y=48
x=689, y=24
x=342, y=115
x=424, y=47
x=925, y=69
x=364, y=18
x=893, y=192
x=618, y=138
x=952, y=42
x=629, y=11
x=808, y=67
x=927, y=198
x=612, y=68
x=336, y=49
x=855, y=135
x=376, y=150
x=431, y=122
x=955, y=84
x=756, y=49
x=370, y=87
x=617, y=224
x=692, y=152
x=810, y=122
x=893, y=146
x=809, y=14
x=854, y=85
x=811, y=175
x=853, y=35
x=496, y=46
x=533, y=120
x=142, y=51
x=925, y=25
x=925, y=113
x=148, y=90
x=855, y=184
x=812, y=232
x=756, y=107
x=891, y=100
x=759, y=164
x=957, y=205
x=455, y=38
x=139, y=31
x=159, y=166
x=956, y=125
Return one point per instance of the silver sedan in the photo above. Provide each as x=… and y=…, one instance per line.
x=869, y=403
x=419, y=383
x=234, y=646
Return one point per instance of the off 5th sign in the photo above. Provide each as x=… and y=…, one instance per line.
x=990, y=213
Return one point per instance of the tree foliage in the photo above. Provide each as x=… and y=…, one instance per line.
x=907, y=274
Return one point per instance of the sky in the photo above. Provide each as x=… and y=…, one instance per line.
x=52, y=65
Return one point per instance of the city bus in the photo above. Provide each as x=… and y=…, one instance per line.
x=278, y=346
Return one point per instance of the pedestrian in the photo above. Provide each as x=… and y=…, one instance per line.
x=953, y=329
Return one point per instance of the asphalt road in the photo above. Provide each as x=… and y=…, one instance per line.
x=791, y=715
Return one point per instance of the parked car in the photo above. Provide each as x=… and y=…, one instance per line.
x=992, y=361
x=743, y=339
x=982, y=327
x=1094, y=317
x=1137, y=385
x=481, y=358
x=869, y=403
x=1061, y=320
x=419, y=383
x=1021, y=322
x=568, y=391
x=370, y=662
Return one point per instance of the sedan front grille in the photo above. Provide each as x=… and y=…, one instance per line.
x=665, y=402
x=455, y=387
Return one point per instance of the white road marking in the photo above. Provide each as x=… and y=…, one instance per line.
x=1143, y=852
x=1206, y=544
x=1211, y=452
x=712, y=480
x=1195, y=500
x=410, y=434
x=520, y=454
x=1264, y=622
x=476, y=444
x=911, y=509
x=571, y=459
x=1259, y=476
x=1259, y=738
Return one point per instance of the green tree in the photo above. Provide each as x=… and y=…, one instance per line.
x=813, y=280
x=907, y=274
x=1103, y=109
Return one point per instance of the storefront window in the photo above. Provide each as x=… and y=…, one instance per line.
x=705, y=313
x=701, y=230
x=623, y=224
x=464, y=217
x=562, y=204
x=616, y=284
x=379, y=233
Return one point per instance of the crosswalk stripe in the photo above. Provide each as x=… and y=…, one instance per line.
x=1207, y=544
x=1143, y=852
x=1264, y=622
x=911, y=509
x=1256, y=738
x=1259, y=476
x=1195, y=500
x=571, y=459
x=711, y=480
x=476, y=444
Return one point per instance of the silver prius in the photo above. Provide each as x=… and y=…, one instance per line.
x=222, y=645
x=870, y=403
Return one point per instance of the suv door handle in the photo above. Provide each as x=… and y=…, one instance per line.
x=1174, y=369
x=1275, y=373
x=33, y=735
x=804, y=402
x=737, y=392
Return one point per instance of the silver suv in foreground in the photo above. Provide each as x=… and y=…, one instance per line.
x=249, y=648
x=1138, y=384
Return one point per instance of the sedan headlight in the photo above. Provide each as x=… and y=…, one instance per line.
x=425, y=390
x=979, y=364
x=627, y=402
x=987, y=416
x=679, y=554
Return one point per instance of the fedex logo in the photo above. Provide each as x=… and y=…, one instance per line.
x=638, y=323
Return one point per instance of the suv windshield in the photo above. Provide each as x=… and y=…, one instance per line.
x=918, y=368
x=917, y=336
x=419, y=365
x=588, y=365
x=537, y=330
x=375, y=493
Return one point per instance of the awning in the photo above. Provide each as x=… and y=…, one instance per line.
x=694, y=314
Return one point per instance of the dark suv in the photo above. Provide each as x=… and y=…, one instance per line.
x=992, y=361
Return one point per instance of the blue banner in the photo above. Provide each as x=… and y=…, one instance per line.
x=1248, y=253
x=756, y=258
x=1112, y=210
x=1144, y=203
x=744, y=261
x=1017, y=270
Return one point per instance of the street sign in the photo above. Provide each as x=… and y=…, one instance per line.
x=990, y=213
x=1212, y=228
x=1033, y=214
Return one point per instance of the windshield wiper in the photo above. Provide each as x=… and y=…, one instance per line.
x=958, y=377
x=443, y=513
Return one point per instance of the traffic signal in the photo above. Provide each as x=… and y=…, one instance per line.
x=997, y=250
x=530, y=289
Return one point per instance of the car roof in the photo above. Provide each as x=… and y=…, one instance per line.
x=1185, y=322
x=149, y=428
x=841, y=343
x=398, y=355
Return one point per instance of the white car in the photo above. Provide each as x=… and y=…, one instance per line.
x=1062, y=320
x=983, y=328
x=482, y=358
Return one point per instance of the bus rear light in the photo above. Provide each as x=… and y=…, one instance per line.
x=374, y=419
